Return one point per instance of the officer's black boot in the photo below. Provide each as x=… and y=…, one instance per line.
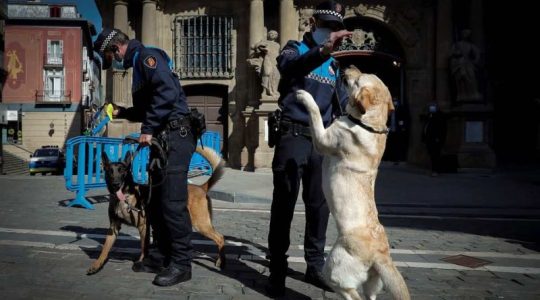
x=172, y=275
x=276, y=281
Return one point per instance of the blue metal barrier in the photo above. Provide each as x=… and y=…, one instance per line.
x=83, y=169
x=83, y=164
x=198, y=163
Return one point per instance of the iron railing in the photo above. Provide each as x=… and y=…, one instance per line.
x=53, y=97
x=53, y=59
x=203, y=47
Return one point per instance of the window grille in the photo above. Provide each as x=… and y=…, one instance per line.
x=203, y=47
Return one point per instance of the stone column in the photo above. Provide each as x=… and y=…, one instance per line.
x=442, y=52
x=288, y=22
x=476, y=21
x=148, y=22
x=256, y=34
x=121, y=15
x=120, y=95
x=256, y=22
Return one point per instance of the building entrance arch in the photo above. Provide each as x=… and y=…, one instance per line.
x=374, y=49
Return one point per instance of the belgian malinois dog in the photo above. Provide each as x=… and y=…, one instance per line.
x=127, y=200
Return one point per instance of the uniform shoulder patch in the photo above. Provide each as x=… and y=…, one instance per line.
x=150, y=61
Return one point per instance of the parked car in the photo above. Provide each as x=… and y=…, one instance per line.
x=47, y=159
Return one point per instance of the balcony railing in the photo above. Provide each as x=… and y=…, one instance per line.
x=53, y=59
x=53, y=97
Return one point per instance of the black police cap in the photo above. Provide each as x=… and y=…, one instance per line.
x=104, y=39
x=330, y=11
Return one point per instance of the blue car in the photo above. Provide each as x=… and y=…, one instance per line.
x=47, y=159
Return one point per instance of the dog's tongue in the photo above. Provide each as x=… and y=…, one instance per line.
x=120, y=195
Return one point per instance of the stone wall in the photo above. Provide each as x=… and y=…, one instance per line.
x=49, y=128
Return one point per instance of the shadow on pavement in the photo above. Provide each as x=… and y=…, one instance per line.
x=258, y=281
x=93, y=253
x=252, y=278
x=516, y=231
x=92, y=199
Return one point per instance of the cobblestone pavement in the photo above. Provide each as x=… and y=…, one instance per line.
x=46, y=247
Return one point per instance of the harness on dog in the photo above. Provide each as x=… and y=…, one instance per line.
x=367, y=127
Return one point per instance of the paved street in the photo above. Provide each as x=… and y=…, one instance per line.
x=46, y=247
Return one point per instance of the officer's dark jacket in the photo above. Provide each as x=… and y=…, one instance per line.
x=303, y=67
x=157, y=94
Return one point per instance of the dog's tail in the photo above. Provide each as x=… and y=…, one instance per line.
x=215, y=162
x=392, y=279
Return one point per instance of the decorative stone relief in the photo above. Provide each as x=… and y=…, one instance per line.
x=360, y=10
x=360, y=40
x=403, y=18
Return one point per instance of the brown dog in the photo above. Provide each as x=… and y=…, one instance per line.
x=126, y=206
x=353, y=147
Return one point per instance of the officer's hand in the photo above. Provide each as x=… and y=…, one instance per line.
x=334, y=40
x=145, y=139
x=116, y=108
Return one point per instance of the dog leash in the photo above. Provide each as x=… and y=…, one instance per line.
x=160, y=162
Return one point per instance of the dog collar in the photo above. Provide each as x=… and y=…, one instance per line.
x=367, y=127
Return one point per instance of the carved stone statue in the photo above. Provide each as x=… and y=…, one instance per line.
x=264, y=60
x=464, y=66
x=303, y=22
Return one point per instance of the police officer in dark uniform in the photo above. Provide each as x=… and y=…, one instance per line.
x=160, y=104
x=307, y=65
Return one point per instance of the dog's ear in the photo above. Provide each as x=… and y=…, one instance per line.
x=128, y=158
x=353, y=67
x=105, y=159
x=364, y=99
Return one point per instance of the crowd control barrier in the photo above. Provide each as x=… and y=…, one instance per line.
x=83, y=169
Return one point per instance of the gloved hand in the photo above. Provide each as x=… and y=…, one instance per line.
x=331, y=44
x=112, y=109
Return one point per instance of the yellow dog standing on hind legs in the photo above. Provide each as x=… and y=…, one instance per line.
x=353, y=147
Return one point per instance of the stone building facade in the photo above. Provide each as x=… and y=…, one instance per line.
x=409, y=44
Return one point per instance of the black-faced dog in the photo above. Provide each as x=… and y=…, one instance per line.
x=127, y=199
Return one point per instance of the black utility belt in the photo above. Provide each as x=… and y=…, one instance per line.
x=180, y=122
x=294, y=128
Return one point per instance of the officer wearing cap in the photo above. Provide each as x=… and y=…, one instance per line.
x=160, y=104
x=307, y=65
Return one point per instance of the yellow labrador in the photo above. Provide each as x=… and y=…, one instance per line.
x=352, y=147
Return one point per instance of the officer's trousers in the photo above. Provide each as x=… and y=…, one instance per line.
x=168, y=212
x=295, y=161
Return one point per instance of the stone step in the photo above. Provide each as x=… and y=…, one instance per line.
x=15, y=160
x=18, y=151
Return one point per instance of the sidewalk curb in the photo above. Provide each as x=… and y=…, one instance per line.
x=238, y=197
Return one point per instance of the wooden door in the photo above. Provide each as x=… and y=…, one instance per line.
x=211, y=107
